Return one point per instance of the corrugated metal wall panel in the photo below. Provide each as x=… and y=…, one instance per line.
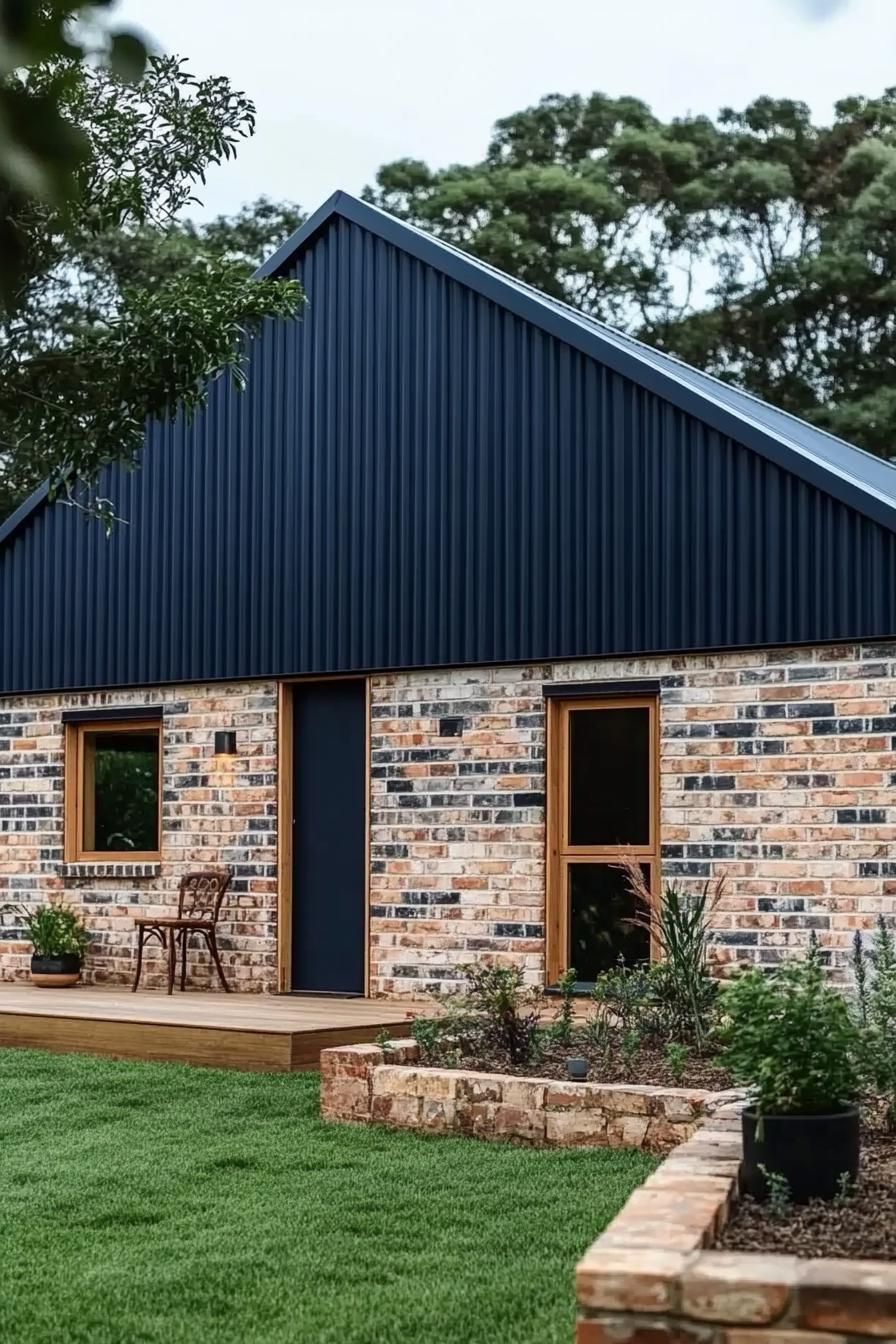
x=415, y=477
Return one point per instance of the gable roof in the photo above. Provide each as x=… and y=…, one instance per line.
x=855, y=477
x=858, y=478
x=438, y=467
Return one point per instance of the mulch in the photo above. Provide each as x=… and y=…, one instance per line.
x=648, y=1065
x=861, y=1226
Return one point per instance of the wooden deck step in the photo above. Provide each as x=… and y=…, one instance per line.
x=237, y=1031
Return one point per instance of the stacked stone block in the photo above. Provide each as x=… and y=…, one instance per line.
x=385, y=1085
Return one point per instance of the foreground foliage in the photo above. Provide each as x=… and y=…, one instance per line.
x=118, y=314
x=41, y=151
x=174, y=1205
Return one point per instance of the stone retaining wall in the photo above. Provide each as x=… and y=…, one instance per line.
x=650, y=1279
x=369, y=1084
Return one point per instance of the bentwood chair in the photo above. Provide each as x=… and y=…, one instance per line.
x=199, y=900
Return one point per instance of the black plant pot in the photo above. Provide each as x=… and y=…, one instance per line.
x=56, y=972
x=811, y=1152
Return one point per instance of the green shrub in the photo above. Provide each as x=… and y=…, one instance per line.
x=789, y=1036
x=677, y=1059
x=877, y=1004
x=627, y=995
x=53, y=930
x=508, y=1009
x=679, y=925
x=562, y=1027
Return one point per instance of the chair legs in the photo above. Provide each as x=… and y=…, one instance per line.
x=144, y=936
x=184, y=939
x=172, y=959
x=210, y=938
x=175, y=941
x=139, y=958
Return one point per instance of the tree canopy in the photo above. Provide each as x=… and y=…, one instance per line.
x=757, y=245
x=121, y=311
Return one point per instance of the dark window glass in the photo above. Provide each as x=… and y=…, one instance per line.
x=600, y=912
x=121, y=787
x=609, y=777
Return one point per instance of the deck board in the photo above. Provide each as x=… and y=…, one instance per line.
x=241, y=1031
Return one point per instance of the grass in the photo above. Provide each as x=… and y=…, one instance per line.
x=153, y=1202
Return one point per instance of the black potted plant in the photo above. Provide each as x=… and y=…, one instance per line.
x=789, y=1037
x=58, y=938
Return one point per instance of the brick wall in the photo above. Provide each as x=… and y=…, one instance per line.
x=213, y=813
x=777, y=768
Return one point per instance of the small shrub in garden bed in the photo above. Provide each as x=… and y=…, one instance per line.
x=649, y=1024
x=805, y=1048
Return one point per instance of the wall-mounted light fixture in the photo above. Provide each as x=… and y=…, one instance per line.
x=225, y=742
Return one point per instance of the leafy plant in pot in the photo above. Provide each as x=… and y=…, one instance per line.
x=58, y=939
x=790, y=1038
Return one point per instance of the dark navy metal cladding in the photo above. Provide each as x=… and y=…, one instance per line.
x=416, y=476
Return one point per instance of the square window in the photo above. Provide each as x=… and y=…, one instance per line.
x=112, y=796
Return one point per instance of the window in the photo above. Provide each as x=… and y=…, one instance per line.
x=112, y=772
x=602, y=808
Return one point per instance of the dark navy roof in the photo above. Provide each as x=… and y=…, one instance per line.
x=848, y=473
x=843, y=469
x=437, y=466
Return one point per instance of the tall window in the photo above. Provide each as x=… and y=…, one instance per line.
x=112, y=774
x=602, y=808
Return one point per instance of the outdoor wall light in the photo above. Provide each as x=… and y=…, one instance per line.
x=577, y=1069
x=225, y=742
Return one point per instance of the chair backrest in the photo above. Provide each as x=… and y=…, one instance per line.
x=200, y=894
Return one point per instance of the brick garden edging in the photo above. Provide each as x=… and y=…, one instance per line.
x=369, y=1084
x=648, y=1279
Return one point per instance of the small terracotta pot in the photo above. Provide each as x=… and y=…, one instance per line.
x=56, y=972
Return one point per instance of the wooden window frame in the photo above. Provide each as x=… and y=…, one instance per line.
x=560, y=853
x=78, y=799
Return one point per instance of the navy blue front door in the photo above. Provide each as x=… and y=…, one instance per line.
x=329, y=827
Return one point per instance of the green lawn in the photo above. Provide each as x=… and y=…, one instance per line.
x=153, y=1202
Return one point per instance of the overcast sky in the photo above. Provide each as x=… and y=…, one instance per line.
x=342, y=86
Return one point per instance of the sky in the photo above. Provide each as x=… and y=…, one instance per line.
x=346, y=85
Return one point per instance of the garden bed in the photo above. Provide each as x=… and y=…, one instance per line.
x=657, y=1273
x=612, y=1061
x=859, y=1225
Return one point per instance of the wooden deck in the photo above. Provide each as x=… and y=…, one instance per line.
x=234, y=1031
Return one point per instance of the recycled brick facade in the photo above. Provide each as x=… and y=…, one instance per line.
x=777, y=768
x=213, y=813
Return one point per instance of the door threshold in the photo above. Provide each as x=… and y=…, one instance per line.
x=325, y=993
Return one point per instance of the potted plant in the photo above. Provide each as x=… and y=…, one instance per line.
x=58, y=938
x=789, y=1037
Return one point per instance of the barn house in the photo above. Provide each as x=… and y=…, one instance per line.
x=463, y=600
